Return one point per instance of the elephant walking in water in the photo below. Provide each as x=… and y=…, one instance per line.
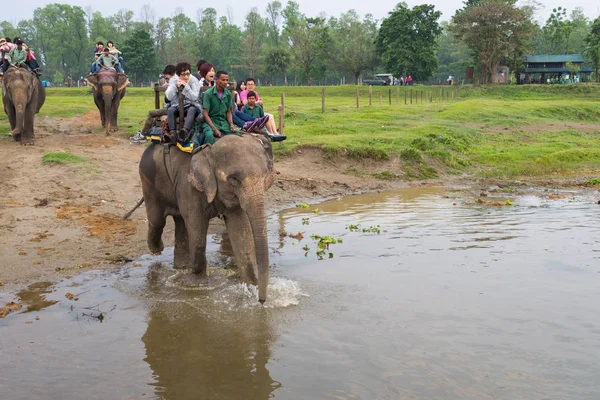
x=108, y=88
x=230, y=179
x=23, y=96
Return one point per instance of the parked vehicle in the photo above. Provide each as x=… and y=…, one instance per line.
x=374, y=82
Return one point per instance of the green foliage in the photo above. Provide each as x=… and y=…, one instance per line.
x=60, y=157
x=402, y=51
x=353, y=44
x=504, y=26
x=138, y=50
x=592, y=50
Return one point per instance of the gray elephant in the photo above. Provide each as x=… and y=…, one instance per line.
x=229, y=179
x=108, y=88
x=23, y=96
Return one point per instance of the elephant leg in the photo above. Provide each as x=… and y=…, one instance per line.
x=196, y=232
x=27, y=135
x=12, y=117
x=100, y=105
x=182, y=249
x=114, y=126
x=242, y=241
x=156, y=224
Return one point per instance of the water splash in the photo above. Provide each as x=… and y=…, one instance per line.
x=282, y=293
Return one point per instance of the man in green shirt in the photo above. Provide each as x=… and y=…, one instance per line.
x=17, y=55
x=251, y=108
x=107, y=60
x=217, y=103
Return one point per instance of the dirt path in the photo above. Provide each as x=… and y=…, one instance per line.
x=59, y=220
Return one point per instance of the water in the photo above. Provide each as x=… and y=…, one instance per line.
x=446, y=302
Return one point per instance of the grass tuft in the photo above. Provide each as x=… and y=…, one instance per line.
x=62, y=157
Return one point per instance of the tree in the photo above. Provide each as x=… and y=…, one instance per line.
x=406, y=41
x=61, y=40
x=592, y=42
x=272, y=21
x=309, y=41
x=229, y=44
x=489, y=29
x=207, y=40
x=353, y=49
x=8, y=30
x=254, y=37
x=275, y=62
x=138, y=51
x=452, y=54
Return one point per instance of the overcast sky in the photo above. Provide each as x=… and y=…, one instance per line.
x=23, y=9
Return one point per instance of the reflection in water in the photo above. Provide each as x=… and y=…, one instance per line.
x=206, y=343
x=197, y=355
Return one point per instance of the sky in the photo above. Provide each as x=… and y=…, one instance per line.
x=239, y=8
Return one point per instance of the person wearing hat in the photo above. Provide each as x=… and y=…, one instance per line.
x=5, y=47
x=107, y=60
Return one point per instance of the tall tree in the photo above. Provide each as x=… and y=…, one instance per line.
x=488, y=29
x=353, y=51
x=407, y=39
x=593, y=47
x=207, y=38
x=61, y=39
x=273, y=21
x=138, y=50
x=309, y=41
x=452, y=54
x=254, y=37
x=8, y=30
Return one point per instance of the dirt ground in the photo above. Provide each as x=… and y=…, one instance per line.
x=59, y=220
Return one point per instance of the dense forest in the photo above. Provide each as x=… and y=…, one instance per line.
x=282, y=45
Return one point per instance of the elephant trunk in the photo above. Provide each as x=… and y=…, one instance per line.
x=108, y=99
x=255, y=209
x=20, y=103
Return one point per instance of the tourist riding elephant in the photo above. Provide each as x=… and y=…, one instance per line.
x=229, y=179
x=108, y=88
x=23, y=96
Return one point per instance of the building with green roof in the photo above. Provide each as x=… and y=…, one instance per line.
x=554, y=68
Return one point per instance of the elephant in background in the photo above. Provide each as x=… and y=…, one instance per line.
x=108, y=88
x=23, y=96
x=230, y=179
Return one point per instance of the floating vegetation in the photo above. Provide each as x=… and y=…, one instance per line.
x=303, y=205
x=353, y=228
x=373, y=229
x=509, y=203
x=306, y=221
x=357, y=228
x=315, y=211
x=323, y=245
x=298, y=236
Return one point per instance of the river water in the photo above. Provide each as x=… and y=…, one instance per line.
x=438, y=298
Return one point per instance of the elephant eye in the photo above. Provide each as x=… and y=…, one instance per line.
x=233, y=180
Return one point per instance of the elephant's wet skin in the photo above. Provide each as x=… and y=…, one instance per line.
x=23, y=96
x=108, y=88
x=230, y=179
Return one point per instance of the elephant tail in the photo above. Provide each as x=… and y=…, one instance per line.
x=139, y=203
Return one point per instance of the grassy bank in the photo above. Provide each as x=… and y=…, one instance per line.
x=496, y=131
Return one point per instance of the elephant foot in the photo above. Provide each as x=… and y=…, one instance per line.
x=16, y=137
x=27, y=142
x=114, y=129
x=156, y=250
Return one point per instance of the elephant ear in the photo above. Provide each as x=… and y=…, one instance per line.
x=201, y=175
x=92, y=80
x=122, y=82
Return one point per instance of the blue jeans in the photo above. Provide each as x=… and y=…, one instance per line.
x=239, y=118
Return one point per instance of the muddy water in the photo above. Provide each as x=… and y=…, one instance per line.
x=445, y=302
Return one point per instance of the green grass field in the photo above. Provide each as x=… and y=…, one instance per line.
x=493, y=131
